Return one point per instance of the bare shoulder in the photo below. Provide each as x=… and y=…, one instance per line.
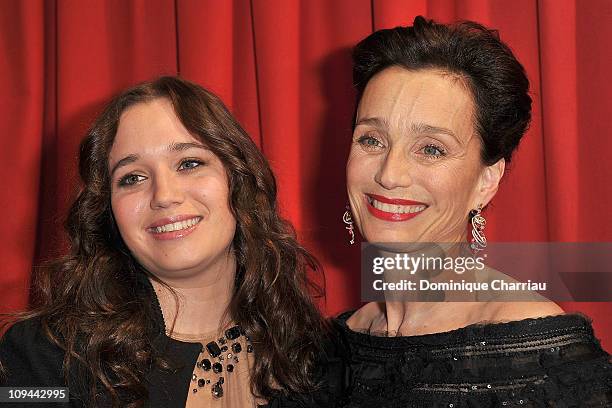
x=512, y=311
x=364, y=316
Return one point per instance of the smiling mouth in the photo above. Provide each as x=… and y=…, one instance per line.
x=395, y=208
x=176, y=226
x=392, y=209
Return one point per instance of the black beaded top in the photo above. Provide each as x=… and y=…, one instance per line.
x=544, y=362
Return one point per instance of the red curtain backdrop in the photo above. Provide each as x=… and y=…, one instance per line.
x=283, y=67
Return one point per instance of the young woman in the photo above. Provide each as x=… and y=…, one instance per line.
x=183, y=286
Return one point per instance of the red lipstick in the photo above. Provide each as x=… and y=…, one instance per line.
x=397, y=201
x=387, y=216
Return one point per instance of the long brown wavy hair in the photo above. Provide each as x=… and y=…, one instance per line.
x=86, y=301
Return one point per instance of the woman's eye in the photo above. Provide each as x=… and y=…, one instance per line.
x=369, y=142
x=433, y=151
x=190, y=164
x=130, y=179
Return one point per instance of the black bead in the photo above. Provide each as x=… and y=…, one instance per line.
x=206, y=364
x=213, y=349
x=217, y=368
x=224, y=349
x=232, y=333
x=249, y=348
x=229, y=368
x=221, y=380
x=201, y=382
x=221, y=340
x=217, y=390
x=236, y=347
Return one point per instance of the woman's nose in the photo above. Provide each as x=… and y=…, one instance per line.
x=167, y=191
x=394, y=170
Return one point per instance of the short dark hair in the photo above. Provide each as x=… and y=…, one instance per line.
x=498, y=83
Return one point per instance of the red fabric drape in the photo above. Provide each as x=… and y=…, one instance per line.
x=283, y=67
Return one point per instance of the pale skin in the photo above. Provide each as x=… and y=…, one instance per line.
x=170, y=173
x=415, y=139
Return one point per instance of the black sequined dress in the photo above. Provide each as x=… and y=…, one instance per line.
x=544, y=362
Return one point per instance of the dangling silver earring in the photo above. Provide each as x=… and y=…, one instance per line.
x=479, y=241
x=348, y=220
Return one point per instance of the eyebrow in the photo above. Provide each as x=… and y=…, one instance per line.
x=173, y=147
x=418, y=127
x=429, y=129
x=375, y=122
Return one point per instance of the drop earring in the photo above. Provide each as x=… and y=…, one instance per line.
x=479, y=241
x=348, y=220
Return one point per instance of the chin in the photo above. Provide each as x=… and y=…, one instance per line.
x=175, y=271
x=390, y=236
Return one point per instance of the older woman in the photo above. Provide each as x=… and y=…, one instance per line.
x=183, y=286
x=441, y=108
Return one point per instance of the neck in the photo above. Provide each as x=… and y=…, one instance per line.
x=415, y=313
x=416, y=318
x=201, y=302
x=401, y=314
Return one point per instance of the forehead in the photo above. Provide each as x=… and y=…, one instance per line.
x=432, y=97
x=148, y=125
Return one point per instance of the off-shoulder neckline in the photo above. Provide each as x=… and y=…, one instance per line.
x=477, y=332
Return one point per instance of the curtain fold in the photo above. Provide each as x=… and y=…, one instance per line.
x=284, y=69
x=22, y=108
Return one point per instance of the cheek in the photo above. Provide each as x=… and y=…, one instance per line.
x=351, y=173
x=127, y=211
x=223, y=221
x=214, y=194
x=359, y=170
x=450, y=189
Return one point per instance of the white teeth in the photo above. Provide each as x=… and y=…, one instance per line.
x=177, y=226
x=394, y=208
